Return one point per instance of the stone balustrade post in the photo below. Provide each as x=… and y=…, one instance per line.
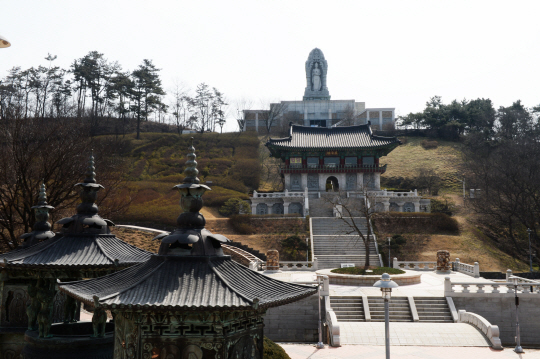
x=395, y=262
x=508, y=275
x=315, y=263
x=447, y=286
x=476, y=270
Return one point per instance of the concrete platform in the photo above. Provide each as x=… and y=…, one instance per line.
x=304, y=351
x=420, y=334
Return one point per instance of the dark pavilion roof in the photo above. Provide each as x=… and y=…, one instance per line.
x=189, y=271
x=76, y=251
x=85, y=241
x=342, y=137
x=195, y=282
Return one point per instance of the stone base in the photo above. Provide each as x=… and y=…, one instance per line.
x=443, y=271
x=410, y=277
x=271, y=271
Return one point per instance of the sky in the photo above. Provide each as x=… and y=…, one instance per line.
x=384, y=53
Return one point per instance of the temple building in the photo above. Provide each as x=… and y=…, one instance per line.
x=345, y=159
x=316, y=107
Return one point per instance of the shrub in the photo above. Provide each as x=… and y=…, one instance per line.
x=273, y=351
x=361, y=271
x=402, y=222
x=241, y=223
x=445, y=223
x=235, y=206
x=293, y=248
x=428, y=145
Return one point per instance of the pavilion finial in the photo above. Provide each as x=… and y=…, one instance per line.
x=42, y=198
x=90, y=173
x=191, y=170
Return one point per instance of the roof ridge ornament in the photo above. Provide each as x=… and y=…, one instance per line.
x=42, y=227
x=191, y=170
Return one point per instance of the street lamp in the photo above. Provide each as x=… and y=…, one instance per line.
x=4, y=42
x=529, y=231
x=389, y=253
x=518, y=348
x=386, y=285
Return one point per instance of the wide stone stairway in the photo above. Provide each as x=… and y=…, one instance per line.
x=435, y=325
x=333, y=243
x=352, y=309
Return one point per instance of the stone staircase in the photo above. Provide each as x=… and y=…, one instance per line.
x=319, y=207
x=333, y=243
x=348, y=309
x=429, y=309
x=433, y=310
x=399, y=309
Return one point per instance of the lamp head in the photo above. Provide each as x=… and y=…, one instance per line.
x=4, y=42
x=386, y=285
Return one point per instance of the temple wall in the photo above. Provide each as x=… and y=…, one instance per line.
x=501, y=311
x=295, y=322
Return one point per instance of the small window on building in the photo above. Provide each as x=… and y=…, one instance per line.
x=296, y=161
x=313, y=162
x=368, y=161
x=351, y=161
x=331, y=162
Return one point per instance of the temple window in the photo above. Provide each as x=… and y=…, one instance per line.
x=368, y=161
x=313, y=162
x=296, y=162
x=351, y=161
x=331, y=162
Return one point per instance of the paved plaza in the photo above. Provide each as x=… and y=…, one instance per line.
x=304, y=351
x=430, y=334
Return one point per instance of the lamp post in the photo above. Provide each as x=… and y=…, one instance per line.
x=389, y=253
x=4, y=42
x=386, y=285
x=307, y=249
x=529, y=231
x=320, y=344
x=518, y=348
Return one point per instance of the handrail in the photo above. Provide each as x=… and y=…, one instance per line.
x=415, y=265
x=460, y=289
x=332, y=168
x=491, y=331
x=469, y=269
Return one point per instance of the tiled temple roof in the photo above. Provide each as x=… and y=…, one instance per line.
x=76, y=250
x=182, y=282
x=342, y=137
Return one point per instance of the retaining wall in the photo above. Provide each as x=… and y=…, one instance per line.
x=295, y=322
x=501, y=311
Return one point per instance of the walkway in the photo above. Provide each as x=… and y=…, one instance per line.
x=304, y=351
x=430, y=334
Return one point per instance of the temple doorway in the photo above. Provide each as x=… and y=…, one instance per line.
x=332, y=184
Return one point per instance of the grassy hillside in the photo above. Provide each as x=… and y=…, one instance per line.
x=156, y=163
x=406, y=160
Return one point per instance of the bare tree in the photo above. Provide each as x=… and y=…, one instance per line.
x=271, y=117
x=56, y=152
x=356, y=214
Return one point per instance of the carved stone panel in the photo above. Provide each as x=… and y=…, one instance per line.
x=313, y=181
x=350, y=181
x=277, y=208
x=15, y=299
x=296, y=182
x=296, y=207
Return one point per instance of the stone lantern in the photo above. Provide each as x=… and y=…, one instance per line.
x=84, y=248
x=189, y=300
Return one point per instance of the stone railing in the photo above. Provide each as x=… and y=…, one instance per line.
x=415, y=265
x=470, y=269
x=289, y=266
x=491, y=331
x=331, y=168
x=465, y=289
x=285, y=193
x=332, y=325
x=385, y=193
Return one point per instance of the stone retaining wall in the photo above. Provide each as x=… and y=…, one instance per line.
x=410, y=277
x=295, y=322
x=501, y=311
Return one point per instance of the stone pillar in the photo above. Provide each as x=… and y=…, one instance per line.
x=322, y=181
x=287, y=180
x=443, y=261
x=400, y=206
x=380, y=120
x=416, y=205
x=272, y=260
x=367, y=116
x=286, y=207
x=304, y=180
x=377, y=178
x=254, y=208
x=342, y=178
x=306, y=120
x=257, y=121
x=359, y=181
x=269, y=206
x=386, y=203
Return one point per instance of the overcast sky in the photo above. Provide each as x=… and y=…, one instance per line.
x=384, y=53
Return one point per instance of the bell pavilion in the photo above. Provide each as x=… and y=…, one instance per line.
x=190, y=300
